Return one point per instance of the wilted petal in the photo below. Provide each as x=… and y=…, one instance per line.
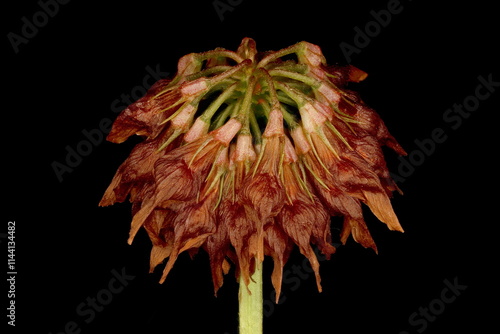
x=156, y=225
x=243, y=236
x=217, y=246
x=192, y=226
x=174, y=182
x=380, y=204
x=160, y=230
x=264, y=192
x=145, y=116
x=180, y=173
x=263, y=189
x=136, y=170
x=297, y=221
x=279, y=246
x=370, y=122
x=359, y=231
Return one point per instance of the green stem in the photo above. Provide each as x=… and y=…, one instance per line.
x=221, y=53
x=251, y=303
x=214, y=106
x=296, y=76
x=255, y=129
x=220, y=119
x=245, y=109
x=280, y=53
x=272, y=90
x=227, y=74
x=299, y=97
x=289, y=118
x=208, y=72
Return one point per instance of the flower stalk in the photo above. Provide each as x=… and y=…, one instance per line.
x=251, y=304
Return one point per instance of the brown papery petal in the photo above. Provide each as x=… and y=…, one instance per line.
x=359, y=231
x=135, y=170
x=243, y=236
x=144, y=117
x=192, y=226
x=279, y=246
x=297, y=221
x=217, y=246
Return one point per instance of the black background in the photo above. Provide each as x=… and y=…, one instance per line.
x=64, y=80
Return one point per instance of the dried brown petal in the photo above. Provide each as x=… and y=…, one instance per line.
x=243, y=237
x=218, y=245
x=135, y=171
x=359, y=231
x=279, y=246
x=263, y=190
x=297, y=222
x=192, y=226
x=145, y=116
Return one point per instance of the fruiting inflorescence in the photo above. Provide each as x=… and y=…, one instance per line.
x=247, y=154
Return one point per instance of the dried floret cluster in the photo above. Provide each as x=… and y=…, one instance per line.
x=248, y=154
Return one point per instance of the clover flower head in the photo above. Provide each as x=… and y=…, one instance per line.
x=249, y=154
